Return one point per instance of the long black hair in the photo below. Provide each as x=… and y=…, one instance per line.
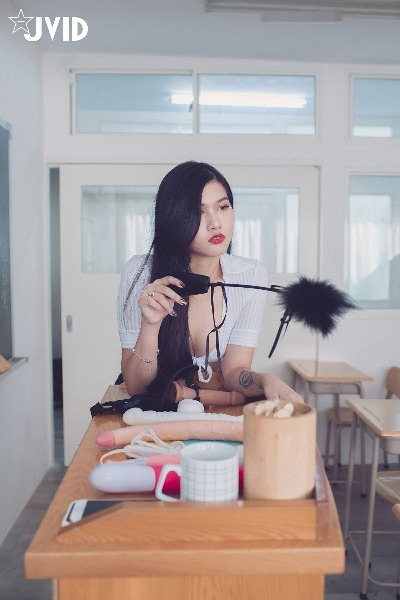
x=176, y=222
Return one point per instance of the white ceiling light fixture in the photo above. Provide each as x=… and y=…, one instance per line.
x=293, y=10
x=242, y=99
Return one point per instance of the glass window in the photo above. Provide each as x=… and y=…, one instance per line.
x=156, y=103
x=267, y=227
x=374, y=257
x=376, y=107
x=131, y=103
x=116, y=224
x=263, y=104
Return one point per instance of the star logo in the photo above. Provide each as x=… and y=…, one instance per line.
x=21, y=22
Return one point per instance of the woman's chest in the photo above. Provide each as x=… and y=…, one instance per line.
x=201, y=320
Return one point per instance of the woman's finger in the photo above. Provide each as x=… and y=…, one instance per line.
x=168, y=293
x=154, y=289
x=165, y=304
x=169, y=280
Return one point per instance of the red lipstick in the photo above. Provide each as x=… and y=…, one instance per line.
x=217, y=239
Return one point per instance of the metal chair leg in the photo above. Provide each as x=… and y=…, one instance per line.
x=398, y=574
x=362, y=452
x=370, y=520
x=350, y=474
x=338, y=430
x=328, y=443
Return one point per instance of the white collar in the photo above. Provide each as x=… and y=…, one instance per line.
x=232, y=265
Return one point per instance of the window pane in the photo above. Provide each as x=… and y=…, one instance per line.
x=375, y=241
x=130, y=103
x=267, y=227
x=376, y=107
x=116, y=224
x=267, y=104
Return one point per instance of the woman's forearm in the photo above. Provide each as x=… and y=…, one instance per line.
x=253, y=384
x=245, y=381
x=137, y=372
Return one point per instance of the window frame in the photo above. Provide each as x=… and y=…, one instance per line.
x=366, y=139
x=368, y=312
x=195, y=73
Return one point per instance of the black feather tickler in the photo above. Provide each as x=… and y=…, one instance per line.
x=317, y=304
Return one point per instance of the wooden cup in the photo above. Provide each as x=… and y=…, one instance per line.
x=279, y=454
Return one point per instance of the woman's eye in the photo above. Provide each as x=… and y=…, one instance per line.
x=224, y=206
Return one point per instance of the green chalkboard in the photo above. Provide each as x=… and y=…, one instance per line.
x=5, y=267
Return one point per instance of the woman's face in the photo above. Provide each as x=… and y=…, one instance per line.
x=216, y=226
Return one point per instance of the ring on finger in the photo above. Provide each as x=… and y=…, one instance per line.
x=151, y=294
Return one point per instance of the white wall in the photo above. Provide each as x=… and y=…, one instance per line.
x=368, y=340
x=25, y=395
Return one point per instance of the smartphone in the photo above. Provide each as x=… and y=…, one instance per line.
x=79, y=509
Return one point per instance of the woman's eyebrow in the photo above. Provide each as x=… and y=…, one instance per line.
x=220, y=200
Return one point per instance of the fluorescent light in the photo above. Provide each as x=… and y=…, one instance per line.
x=182, y=98
x=255, y=100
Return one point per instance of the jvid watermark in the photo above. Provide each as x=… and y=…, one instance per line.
x=72, y=29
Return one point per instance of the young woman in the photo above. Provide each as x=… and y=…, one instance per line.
x=160, y=330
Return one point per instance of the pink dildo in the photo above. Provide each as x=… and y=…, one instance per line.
x=105, y=438
x=179, y=430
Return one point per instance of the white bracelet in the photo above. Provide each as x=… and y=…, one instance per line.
x=148, y=361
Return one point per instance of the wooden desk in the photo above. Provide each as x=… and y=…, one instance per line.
x=381, y=420
x=246, y=549
x=331, y=378
x=328, y=378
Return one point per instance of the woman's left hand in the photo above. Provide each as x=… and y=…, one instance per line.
x=276, y=389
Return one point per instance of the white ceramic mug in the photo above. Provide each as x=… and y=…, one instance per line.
x=209, y=472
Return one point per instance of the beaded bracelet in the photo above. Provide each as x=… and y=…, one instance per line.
x=148, y=361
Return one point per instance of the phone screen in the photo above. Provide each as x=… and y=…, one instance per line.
x=79, y=509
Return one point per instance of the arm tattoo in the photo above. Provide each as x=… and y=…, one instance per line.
x=247, y=379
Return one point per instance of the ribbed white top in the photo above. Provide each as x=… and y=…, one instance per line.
x=245, y=307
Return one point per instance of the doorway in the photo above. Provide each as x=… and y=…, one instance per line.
x=103, y=216
x=55, y=269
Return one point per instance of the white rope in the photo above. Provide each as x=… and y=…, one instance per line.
x=140, y=447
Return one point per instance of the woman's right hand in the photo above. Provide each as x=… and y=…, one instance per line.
x=157, y=300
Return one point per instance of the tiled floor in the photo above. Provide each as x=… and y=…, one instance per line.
x=384, y=551
x=14, y=586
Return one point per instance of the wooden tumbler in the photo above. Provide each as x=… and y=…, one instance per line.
x=279, y=454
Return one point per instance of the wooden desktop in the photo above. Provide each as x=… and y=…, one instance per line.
x=244, y=549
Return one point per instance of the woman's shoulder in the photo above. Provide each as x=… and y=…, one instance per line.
x=137, y=268
x=138, y=262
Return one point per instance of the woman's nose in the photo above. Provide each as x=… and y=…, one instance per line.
x=213, y=222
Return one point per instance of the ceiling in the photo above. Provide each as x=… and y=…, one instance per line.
x=184, y=28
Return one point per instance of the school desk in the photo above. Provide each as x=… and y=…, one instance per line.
x=175, y=551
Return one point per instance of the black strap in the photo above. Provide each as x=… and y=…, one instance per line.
x=216, y=328
x=116, y=406
x=285, y=320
